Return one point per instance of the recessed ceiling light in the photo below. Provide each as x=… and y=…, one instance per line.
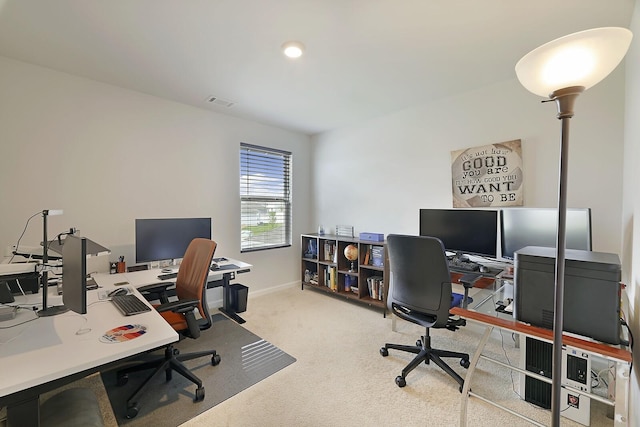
x=293, y=49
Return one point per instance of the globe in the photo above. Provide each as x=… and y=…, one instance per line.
x=351, y=252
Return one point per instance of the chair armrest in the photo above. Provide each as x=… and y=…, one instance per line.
x=469, y=279
x=187, y=308
x=155, y=287
x=180, y=306
x=156, y=291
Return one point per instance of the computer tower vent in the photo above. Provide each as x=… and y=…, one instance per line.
x=538, y=359
x=547, y=319
x=537, y=392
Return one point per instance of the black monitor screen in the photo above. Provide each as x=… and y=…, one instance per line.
x=521, y=227
x=74, y=274
x=467, y=231
x=168, y=238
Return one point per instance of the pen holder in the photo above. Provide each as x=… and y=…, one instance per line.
x=121, y=267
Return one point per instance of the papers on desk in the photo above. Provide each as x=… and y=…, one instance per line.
x=225, y=267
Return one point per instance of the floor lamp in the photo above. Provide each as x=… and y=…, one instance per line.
x=560, y=71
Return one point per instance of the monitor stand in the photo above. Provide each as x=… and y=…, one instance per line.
x=52, y=311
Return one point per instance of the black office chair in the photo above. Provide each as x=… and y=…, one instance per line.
x=420, y=292
x=190, y=290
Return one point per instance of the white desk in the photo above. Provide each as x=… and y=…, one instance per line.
x=229, y=268
x=47, y=352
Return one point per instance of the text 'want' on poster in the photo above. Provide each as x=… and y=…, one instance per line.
x=486, y=176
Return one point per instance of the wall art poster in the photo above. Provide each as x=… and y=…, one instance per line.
x=487, y=176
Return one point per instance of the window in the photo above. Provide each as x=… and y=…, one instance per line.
x=265, y=198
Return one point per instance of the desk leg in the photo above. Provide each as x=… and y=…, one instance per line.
x=226, y=298
x=469, y=376
x=621, y=409
x=25, y=413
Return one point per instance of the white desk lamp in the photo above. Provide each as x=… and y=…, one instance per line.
x=561, y=70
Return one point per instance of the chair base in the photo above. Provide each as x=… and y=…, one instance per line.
x=171, y=361
x=425, y=353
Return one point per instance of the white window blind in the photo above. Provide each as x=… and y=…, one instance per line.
x=265, y=198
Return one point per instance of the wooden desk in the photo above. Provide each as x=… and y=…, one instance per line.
x=621, y=357
x=39, y=354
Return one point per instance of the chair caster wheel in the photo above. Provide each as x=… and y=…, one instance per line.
x=464, y=363
x=384, y=352
x=132, y=411
x=400, y=382
x=122, y=379
x=419, y=343
x=215, y=359
x=199, y=397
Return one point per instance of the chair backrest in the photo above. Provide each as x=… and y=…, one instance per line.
x=420, y=278
x=192, y=275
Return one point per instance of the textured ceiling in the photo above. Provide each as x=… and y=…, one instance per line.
x=364, y=58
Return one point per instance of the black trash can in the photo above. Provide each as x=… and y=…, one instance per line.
x=238, y=300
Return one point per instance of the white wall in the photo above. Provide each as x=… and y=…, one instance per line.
x=106, y=156
x=376, y=176
x=631, y=205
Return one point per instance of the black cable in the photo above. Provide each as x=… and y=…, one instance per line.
x=630, y=342
x=23, y=231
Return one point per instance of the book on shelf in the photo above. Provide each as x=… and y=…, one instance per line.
x=330, y=278
x=329, y=251
x=377, y=256
x=367, y=255
x=376, y=287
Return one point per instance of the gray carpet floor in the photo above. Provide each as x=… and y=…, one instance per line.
x=246, y=360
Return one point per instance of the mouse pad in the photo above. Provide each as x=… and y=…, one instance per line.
x=123, y=333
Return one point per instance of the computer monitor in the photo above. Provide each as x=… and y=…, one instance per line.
x=74, y=274
x=168, y=238
x=464, y=231
x=521, y=227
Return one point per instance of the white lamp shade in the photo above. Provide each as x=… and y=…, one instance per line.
x=579, y=59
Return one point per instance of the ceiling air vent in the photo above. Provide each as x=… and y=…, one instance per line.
x=221, y=102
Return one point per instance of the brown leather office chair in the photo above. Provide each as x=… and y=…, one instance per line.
x=420, y=293
x=190, y=290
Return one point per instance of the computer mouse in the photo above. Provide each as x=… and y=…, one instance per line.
x=118, y=291
x=484, y=269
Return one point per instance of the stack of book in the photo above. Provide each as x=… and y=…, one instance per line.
x=329, y=251
x=330, y=278
x=376, y=287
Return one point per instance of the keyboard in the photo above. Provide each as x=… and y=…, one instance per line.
x=457, y=264
x=129, y=304
x=167, y=276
